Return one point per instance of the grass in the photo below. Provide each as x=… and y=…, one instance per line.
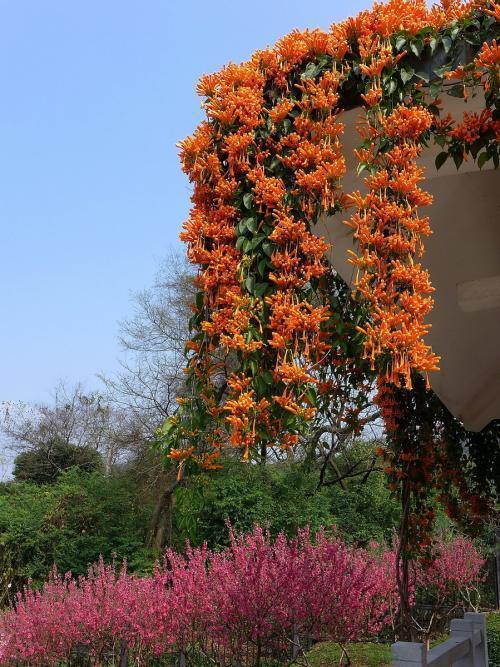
x=361, y=655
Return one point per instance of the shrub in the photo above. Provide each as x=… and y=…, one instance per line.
x=46, y=463
x=454, y=574
x=283, y=497
x=493, y=633
x=70, y=523
x=257, y=593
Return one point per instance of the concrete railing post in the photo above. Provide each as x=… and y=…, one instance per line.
x=462, y=629
x=409, y=654
x=467, y=627
x=466, y=647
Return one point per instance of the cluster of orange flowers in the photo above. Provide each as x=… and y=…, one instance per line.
x=474, y=125
x=483, y=71
x=265, y=165
x=389, y=233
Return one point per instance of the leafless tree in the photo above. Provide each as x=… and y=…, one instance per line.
x=75, y=417
x=151, y=376
x=153, y=341
x=340, y=448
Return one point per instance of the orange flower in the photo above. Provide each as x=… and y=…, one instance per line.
x=265, y=165
x=489, y=56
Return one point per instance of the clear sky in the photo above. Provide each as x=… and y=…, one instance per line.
x=95, y=95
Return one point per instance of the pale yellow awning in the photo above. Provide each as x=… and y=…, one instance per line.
x=463, y=257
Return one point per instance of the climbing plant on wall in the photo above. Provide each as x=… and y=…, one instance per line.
x=270, y=337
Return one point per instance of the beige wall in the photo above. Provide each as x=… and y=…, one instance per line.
x=463, y=257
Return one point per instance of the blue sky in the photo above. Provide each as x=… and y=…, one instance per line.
x=95, y=95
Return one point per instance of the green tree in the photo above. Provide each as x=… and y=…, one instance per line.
x=283, y=496
x=70, y=523
x=45, y=463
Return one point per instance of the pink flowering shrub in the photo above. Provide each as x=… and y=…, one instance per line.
x=454, y=573
x=253, y=585
x=258, y=592
x=342, y=593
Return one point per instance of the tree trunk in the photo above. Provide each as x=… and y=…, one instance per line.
x=123, y=655
x=405, y=629
x=160, y=530
x=497, y=567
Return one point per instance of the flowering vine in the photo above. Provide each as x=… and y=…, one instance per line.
x=270, y=340
x=267, y=163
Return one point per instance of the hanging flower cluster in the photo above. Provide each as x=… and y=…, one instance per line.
x=265, y=165
x=389, y=232
x=475, y=134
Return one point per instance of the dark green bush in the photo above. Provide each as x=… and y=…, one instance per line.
x=46, y=463
x=493, y=633
x=283, y=497
x=70, y=523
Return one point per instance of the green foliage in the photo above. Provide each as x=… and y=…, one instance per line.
x=493, y=634
x=44, y=465
x=70, y=523
x=284, y=497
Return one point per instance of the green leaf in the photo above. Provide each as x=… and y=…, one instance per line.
x=260, y=289
x=433, y=44
x=360, y=168
x=255, y=242
x=424, y=76
x=441, y=159
x=440, y=140
x=166, y=427
x=310, y=71
x=416, y=47
x=482, y=159
x=440, y=71
x=275, y=163
x=447, y=43
x=458, y=158
x=268, y=248
x=267, y=376
x=406, y=74
x=435, y=89
x=250, y=284
x=311, y=395
x=392, y=86
x=260, y=385
x=199, y=300
x=251, y=224
x=456, y=91
x=261, y=266
x=400, y=42
x=248, y=199
x=239, y=242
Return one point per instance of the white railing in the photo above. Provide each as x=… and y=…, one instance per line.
x=466, y=647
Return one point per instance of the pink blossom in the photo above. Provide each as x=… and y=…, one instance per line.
x=258, y=592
